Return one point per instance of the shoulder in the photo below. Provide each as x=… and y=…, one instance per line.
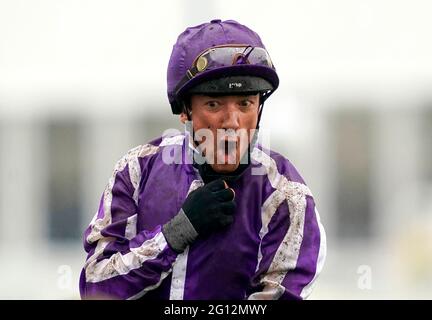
x=276, y=164
x=149, y=150
x=281, y=173
x=155, y=146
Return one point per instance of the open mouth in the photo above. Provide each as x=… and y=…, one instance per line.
x=227, y=151
x=230, y=145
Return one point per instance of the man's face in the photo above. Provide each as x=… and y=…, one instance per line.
x=224, y=127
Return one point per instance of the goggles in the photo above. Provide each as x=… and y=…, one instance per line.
x=225, y=56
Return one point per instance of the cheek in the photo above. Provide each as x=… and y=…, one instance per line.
x=203, y=125
x=199, y=124
x=251, y=121
x=203, y=121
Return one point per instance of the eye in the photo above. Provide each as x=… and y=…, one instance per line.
x=246, y=103
x=212, y=104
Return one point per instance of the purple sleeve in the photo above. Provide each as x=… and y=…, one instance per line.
x=293, y=248
x=121, y=262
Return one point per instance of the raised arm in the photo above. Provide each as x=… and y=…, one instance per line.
x=123, y=263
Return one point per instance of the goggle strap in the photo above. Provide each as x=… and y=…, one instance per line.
x=259, y=115
x=188, y=76
x=191, y=73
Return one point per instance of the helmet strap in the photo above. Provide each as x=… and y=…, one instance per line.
x=261, y=107
x=187, y=111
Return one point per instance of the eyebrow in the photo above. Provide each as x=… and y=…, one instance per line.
x=213, y=96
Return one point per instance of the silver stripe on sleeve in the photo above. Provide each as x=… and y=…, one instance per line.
x=130, y=158
x=104, y=221
x=286, y=256
x=131, y=227
x=98, y=224
x=135, y=176
x=174, y=140
x=267, y=211
x=307, y=290
x=179, y=276
x=179, y=267
x=121, y=264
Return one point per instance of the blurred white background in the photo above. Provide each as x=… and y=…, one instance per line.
x=81, y=82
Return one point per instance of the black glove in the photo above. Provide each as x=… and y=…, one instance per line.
x=205, y=210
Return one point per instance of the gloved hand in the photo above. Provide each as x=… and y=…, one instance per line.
x=205, y=210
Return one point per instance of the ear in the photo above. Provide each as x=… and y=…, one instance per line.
x=183, y=117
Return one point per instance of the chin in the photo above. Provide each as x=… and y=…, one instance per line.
x=224, y=168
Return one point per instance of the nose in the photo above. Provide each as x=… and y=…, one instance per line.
x=231, y=118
